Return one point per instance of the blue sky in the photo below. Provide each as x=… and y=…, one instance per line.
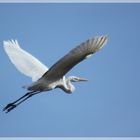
x=108, y=104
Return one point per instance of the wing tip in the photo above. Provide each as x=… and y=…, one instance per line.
x=100, y=42
x=102, y=37
x=11, y=43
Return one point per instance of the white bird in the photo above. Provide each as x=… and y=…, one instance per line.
x=45, y=79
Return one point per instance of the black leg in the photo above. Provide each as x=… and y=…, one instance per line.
x=14, y=104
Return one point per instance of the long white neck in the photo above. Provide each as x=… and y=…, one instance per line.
x=68, y=87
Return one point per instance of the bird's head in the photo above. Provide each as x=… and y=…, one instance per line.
x=77, y=79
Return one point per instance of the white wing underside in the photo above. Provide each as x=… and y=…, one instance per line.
x=24, y=62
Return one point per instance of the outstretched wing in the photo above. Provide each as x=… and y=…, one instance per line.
x=24, y=62
x=60, y=68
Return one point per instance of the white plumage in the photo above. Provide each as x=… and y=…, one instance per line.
x=24, y=62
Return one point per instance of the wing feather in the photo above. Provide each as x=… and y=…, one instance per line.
x=24, y=62
x=81, y=52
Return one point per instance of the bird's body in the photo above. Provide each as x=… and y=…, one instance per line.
x=45, y=85
x=63, y=83
x=45, y=79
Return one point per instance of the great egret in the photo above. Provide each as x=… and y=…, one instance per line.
x=47, y=79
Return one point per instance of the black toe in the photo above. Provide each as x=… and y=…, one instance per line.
x=10, y=108
x=10, y=105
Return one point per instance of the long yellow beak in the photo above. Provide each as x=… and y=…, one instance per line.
x=82, y=79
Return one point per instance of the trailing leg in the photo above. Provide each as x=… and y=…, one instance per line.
x=14, y=104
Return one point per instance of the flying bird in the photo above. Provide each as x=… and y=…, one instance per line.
x=45, y=79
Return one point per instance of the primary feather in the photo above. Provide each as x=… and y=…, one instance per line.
x=24, y=62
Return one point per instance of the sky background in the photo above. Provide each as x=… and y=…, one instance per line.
x=108, y=104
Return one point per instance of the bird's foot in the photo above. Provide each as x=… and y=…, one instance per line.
x=9, y=107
